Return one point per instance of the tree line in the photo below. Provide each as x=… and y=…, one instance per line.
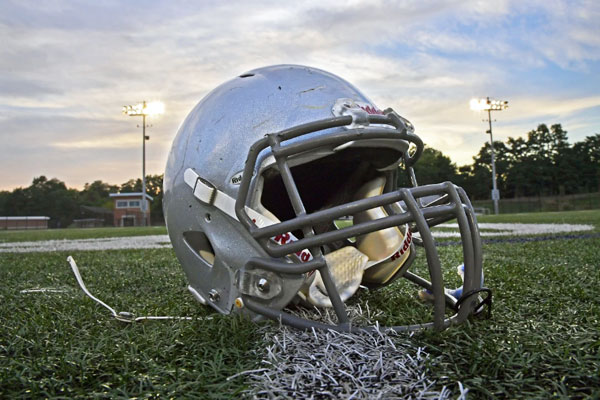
x=543, y=163
x=52, y=198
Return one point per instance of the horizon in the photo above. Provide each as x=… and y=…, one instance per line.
x=69, y=67
x=135, y=179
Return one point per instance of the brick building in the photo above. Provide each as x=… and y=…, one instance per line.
x=128, y=209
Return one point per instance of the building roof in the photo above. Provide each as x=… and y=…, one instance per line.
x=26, y=218
x=96, y=210
x=132, y=194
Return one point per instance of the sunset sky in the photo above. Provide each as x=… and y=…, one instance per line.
x=68, y=67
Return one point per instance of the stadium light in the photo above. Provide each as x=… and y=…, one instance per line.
x=143, y=109
x=489, y=106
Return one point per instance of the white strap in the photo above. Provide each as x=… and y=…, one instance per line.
x=122, y=316
x=209, y=194
x=84, y=288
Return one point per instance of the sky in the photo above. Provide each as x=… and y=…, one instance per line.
x=68, y=67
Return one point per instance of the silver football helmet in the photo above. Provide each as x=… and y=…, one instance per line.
x=281, y=189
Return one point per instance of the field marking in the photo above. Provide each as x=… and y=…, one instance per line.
x=515, y=229
x=330, y=364
x=163, y=241
x=45, y=290
x=114, y=243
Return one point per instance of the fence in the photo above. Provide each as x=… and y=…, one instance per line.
x=585, y=201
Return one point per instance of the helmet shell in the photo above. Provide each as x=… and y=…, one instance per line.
x=214, y=141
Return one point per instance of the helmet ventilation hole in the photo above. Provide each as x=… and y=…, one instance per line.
x=246, y=75
x=198, y=242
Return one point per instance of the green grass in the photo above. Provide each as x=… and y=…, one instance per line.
x=559, y=217
x=65, y=345
x=542, y=341
x=79, y=233
x=543, y=338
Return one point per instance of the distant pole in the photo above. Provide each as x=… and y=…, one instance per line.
x=495, y=192
x=144, y=210
x=143, y=109
x=489, y=106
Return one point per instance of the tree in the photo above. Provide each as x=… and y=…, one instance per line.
x=432, y=167
x=131, y=186
x=4, y=197
x=591, y=145
x=52, y=198
x=544, y=163
x=560, y=141
x=154, y=186
x=97, y=194
x=17, y=203
x=586, y=155
x=477, y=179
x=47, y=197
x=545, y=160
x=517, y=177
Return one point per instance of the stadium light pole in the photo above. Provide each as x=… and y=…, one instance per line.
x=489, y=106
x=144, y=109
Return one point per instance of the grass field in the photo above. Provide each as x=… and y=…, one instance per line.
x=542, y=340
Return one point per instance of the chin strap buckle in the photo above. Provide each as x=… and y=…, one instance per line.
x=483, y=302
x=203, y=189
x=125, y=316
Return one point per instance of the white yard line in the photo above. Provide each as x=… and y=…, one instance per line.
x=506, y=229
x=114, y=243
x=330, y=365
x=162, y=241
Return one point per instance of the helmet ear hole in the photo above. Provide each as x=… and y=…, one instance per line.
x=199, y=243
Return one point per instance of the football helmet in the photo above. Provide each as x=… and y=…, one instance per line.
x=281, y=189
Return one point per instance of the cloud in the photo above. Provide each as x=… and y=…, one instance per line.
x=555, y=107
x=66, y=68
x=101, y=143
